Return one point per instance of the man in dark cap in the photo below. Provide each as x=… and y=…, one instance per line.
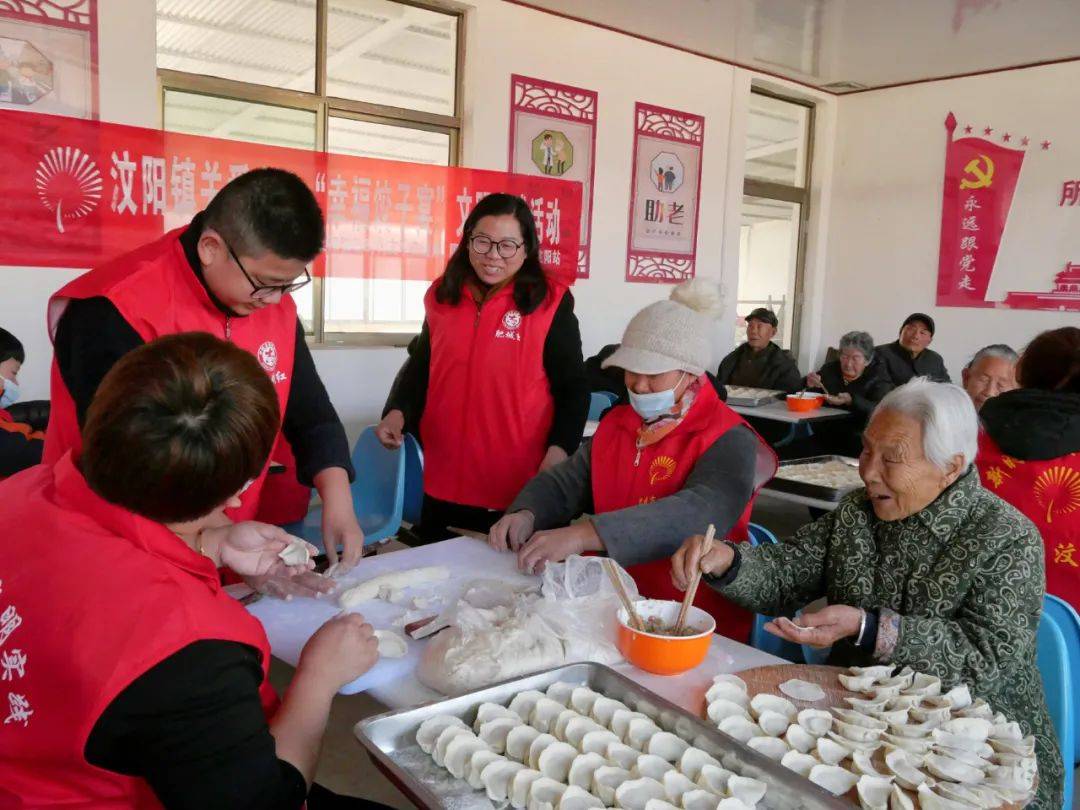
x=910, y=356
x=760, y=363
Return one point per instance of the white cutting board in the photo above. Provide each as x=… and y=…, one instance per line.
x=289, y=624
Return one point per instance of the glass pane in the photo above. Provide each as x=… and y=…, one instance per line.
x=246, y=40
x=776, y=137
x=391, y=53
x=367, y=139
x=374, y=305
x=768, y=252
x=305, y=307
x=217, y=117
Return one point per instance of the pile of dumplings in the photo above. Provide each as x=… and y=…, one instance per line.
x=902, y=737
x=574, y=749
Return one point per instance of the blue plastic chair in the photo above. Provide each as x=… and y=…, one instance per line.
x=600, y=401
x=378, y=493
x=414, y=480
x=1052, y=656
x=1069, y=623
x=760, y=638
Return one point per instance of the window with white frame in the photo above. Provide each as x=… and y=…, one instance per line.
x=374, y=78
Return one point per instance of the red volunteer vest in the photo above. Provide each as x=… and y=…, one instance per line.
x=93, y=597
x=156, y=292
x=489, y=407
x=621, y=479
x=1048, y=492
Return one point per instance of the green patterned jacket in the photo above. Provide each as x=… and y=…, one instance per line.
x=959, y=585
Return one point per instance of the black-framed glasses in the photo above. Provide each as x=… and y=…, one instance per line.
x=506, y=248
x=263, y=291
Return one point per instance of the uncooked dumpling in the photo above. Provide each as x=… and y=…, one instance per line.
x=582, y=769
x=660, y=804
x=802, y=690
x=605, y=780
x=598, y=741
x=545, y=713
x=554, y=761
x=651, y=766
x=714, y=778
x=725, y=690
x=577, y=728
x=773, y=723
x=834, y=779
x=438, y=753
x=748, y=791
x=397, y=580
x=800, y=763
x=768, y=702
x=524, y=703
x=576, y=798
x=582, y=699
x=731, y=803
x=490, y=711
x=558, y=728
x=622, y=755
x=700, y=800
x=520, y=784
x=296, y=553
x=693, y=760
x=458, y=753
x=800, y=739
x=667, y=745
x=544, y=793
x=633, y=794
x=873, y=792
x=604, y=709
x=676, y=784
x=537, y=748
x=722, y=708
x=560, y=692
x=494, y=732
x=496, y=778
x=480, y=760
x=518, y=741
x=620, y=721
x=740, y=728
x=431, y=728
x=772, y=747
x=640, y=731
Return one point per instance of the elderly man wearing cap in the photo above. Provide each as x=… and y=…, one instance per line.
x=910, y=356
x=674, y=458
x=760, y=363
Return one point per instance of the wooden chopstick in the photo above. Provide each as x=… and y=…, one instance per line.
x=616, y=582
x=691, y=589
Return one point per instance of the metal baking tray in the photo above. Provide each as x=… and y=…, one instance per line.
x=761, y=396
x=821, y=493
x=391, y=740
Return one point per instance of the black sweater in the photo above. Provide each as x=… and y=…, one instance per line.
x=901, y=367
x=1033, y=425
x=771, y=368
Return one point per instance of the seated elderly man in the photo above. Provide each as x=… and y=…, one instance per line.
x=992, y=371
x=760, y=363
x=910, y=356
x=922, y=568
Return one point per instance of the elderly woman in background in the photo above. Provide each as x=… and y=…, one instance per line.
x=992, y=371
x=854, y=383
x=1029, y=451
x=922, y=568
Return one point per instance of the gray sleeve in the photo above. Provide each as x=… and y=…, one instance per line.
x=561, y=494
x=716, y=491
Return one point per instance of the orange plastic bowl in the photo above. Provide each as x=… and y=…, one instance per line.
x=804, y=403
x=665, y=655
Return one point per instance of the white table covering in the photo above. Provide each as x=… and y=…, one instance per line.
x=778, y=411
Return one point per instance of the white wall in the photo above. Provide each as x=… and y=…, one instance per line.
x=886, y=205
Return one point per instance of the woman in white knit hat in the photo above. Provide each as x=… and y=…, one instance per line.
x=675, y=457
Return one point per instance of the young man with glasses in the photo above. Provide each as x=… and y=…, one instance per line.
x=228, y=273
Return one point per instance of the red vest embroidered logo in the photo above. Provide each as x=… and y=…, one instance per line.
x=268, y=355
x=661, y=469
x=512, y=319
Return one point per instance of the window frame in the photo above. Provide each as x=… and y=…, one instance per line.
x=324, y=107
x=799, y=194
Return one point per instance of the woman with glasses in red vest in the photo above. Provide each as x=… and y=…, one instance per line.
x=495, y=385
x=1029, y=451
x=675, y=457
x=130, y=678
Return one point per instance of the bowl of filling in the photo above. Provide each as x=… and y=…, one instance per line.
x=804, y=401
x=657, y=648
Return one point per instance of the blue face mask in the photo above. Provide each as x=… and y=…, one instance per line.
x=654, y=404
x=10, y=395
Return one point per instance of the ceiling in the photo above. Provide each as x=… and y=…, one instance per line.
x=843, y=45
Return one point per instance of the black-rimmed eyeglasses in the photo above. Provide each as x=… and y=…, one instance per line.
x=263, y=291
x=506, y=248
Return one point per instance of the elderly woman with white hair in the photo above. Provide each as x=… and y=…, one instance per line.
x=921, y=568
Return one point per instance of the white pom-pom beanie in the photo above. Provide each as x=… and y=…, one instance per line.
x=672, y=335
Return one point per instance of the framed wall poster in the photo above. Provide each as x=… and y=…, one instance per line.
x=664, y=195
x=553, y=134
x=48, y=57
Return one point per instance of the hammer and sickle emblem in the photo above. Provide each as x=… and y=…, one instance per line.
x=980, y=173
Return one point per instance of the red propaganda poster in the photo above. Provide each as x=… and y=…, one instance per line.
x=980, y=179
x=78, y=192
x=664, y=192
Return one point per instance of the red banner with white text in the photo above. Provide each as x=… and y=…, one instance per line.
x=77, y=193
x=980, y=179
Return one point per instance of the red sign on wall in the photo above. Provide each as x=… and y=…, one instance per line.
x=77, y=193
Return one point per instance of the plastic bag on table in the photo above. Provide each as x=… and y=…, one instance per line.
x=579, y=604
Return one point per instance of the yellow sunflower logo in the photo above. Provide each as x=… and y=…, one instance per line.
x=1057, y=490
x=661, y=469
